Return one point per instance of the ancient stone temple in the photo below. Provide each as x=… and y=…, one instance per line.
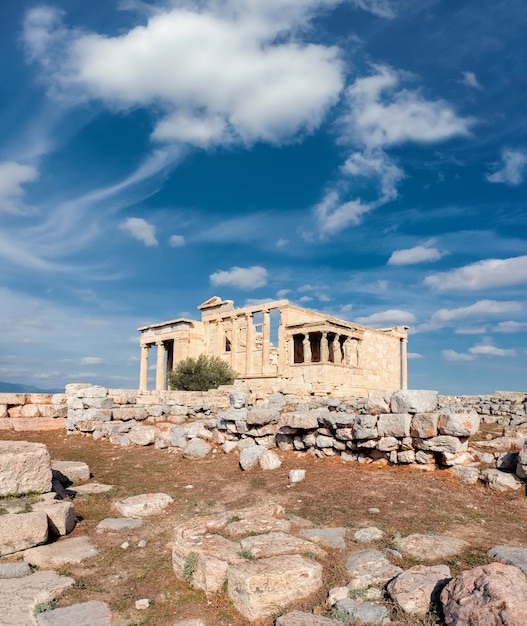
x=277, y=346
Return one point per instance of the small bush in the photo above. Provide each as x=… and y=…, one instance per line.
x=200, y=374
x=189, y=566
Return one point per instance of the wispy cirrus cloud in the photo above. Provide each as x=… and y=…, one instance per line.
x=485, y=349
x=390, y=317
x=381, y=112
x=486, y=274
x=480, y=310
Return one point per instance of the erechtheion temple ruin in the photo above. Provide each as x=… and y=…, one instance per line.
x=313, y=353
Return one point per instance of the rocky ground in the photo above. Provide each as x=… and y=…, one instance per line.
x=136, y=563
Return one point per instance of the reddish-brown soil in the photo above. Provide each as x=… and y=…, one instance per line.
x=334, y=493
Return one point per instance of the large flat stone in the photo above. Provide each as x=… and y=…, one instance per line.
x=511, y=556
x=329, y=537
x=414, y=401
x=118, y=523
x=370, y=568
x=278, y=543
x=73, y=550
x=69, y=472
x=260, y=588
x=414, y=589
x=61, y=514
x=22, y=531
x=364, y=612
x=19, y=596
x=92, y=613
x=24, y=467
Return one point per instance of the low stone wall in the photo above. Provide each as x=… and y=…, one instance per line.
x=32, y=411
x=409, y=427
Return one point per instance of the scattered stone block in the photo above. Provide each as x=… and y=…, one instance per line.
x=24, y=467
x=61, y=514
x=367, y=535
x=297, y=475
x=14, y=570
x=511, y=556
x=144, y=505
x=92, y=488
x=92, y=613
x=196, y=449
x=364, y=612
x=118, y=523
x=278, y=543
x=70, y=472
x=258, y=588
x=73, y=550
x=431, y=547
x=249, y=456
x=22, y=531
x=489, y=595
x=370, y=568
x=143, y=435
x=416, y=588
x=500, y=481
x=269, y=460
x=469, y=475
x=330, y=537
x=297, y=618
x=238, y=399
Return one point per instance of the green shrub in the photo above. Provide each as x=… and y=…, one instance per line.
x=201, y=374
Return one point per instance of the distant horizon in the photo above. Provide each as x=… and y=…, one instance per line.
x=363, y=158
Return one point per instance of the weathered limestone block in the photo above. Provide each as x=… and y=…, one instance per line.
x=306, y=420
x=258, y=588
x=24, y=467
x=22, y=531
x=196, y=449
x=394, y=425
x=70, y=471
x=365, y=427
x=249, y=456
x=406, y=456
x=179, y=436
x=260, y=416
x=458, y=424
x=417, y=587
x=98, y=415
x=238, y=399
x=368, y=535
x=29, y=410
x=279, y=543
x=14, y=398
x=441, y=443
x=370, y=567
x=424, y=425
x=521, y=466
x=143, y=435
x=53, y=410
x=233, y=415
x=61, y=514
x=93, y=391
x=489, y=595
x=324, y=441
x=378, y=402
x=338, y=420
x=500, y=481
x=269, y=460
x=431, y=547
x=386, y=444
x=461, y=458
x=3, y=410
x=414, y=401
x=143, y=505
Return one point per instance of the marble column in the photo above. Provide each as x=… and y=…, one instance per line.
x=249, y=343
x=404, y=364
x=143, y=369
x=337, y=356
x=266, y=342
x=160, y=367
x=235, y=344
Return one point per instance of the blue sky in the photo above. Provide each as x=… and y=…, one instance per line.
x=366, y=158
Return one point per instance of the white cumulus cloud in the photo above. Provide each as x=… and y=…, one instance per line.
x=487, y=348
x=176, y=241
x=91, y=360
x=452, y=355
x=486, y=274
x=512, y=168
x=470, y=80
x=417, y=254
x=140, y=229
x=240, y=277
x=218, y=72
x=510, y=326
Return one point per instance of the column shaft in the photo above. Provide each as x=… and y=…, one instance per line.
x=143, y=369
x=160, y=366
x=266, y=342
x=404, y=364
x=249, y=343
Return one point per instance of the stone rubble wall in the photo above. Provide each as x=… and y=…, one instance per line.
x=403, y=427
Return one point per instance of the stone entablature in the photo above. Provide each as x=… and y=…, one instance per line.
x=315, y=353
